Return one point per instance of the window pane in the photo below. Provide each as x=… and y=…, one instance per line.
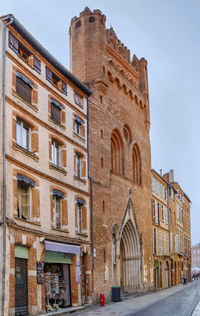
x=25, y=138
x=24, y=200
x=55, y=153
x=18, y=131
x=78, y=166
x=57, y=212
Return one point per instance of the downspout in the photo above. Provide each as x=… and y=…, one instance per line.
x=4, y=161
x=169, y=219
x=91, y=194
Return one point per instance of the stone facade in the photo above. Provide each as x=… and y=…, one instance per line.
x=120, y=154
x=47, y=189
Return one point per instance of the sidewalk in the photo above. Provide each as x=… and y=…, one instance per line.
x=134, y=304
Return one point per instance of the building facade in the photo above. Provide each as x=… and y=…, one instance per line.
x=45, y=200
x=161, y=231
x=195, y=251
x=120, y=154
x=180, y=233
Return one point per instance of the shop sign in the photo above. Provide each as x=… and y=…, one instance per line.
x=78, y=272
x=156, y=264
x=40, y=272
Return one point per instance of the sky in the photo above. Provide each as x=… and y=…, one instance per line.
x=166, y=33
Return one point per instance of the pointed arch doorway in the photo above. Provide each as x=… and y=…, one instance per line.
x=129, y=258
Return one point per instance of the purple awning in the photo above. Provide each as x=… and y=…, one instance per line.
x=66, y=248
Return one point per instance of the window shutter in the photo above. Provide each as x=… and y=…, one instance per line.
x=64, y=87
x=64, y=213
x=156, y=212
x=76, y=217
x=153, y=241
x=171, y=243
x=48, y=74
x=152, y=200
x=50, y=150
x=83, y=169
x=84, y=217
x=36, y=203
x=64, y=157
x=34, y=141
x=37, y=64
x=13, y=43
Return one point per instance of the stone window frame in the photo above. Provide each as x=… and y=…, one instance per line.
x=64, y=208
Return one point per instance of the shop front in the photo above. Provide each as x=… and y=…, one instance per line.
x=59, y=272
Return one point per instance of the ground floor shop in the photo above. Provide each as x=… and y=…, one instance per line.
x=161, y=273
x=45, y=274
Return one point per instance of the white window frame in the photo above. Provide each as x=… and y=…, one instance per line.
x=20, y=200
x=56, y=214
x=78, y=167
x=20, y=135
x=55, y=153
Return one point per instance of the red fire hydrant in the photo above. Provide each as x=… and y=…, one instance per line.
x=102, y=299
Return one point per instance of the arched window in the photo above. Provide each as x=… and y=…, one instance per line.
x=137, y=177
x=116, y=152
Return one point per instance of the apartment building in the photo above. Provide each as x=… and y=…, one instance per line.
x=196, y=256
x=161, y=231
x=45, y=205
x=179, y=210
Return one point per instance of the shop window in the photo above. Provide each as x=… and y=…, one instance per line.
x=23, y=135
x=24, y=186
x=57, y=208
x=56, y=109
x=23, y=87
x=78, y=99
x=55, y=153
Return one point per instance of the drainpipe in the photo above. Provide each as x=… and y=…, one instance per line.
x=4, y=160
x=169, y=188
x=91, y=194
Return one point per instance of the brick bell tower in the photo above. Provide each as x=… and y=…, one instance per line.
x=120, y=154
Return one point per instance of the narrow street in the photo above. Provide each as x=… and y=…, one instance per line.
x=181, y=300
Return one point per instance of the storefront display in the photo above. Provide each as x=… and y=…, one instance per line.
x=57, y=285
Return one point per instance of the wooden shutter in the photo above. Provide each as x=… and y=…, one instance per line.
x=13, y=43
x=64, y=157
x=64, y=212
x=83, y=168
x=84, y=217
x=23, y=90
x=48, y=74
x=35, y=202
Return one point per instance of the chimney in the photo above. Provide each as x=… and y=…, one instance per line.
x=161, y=172
x=171, y=176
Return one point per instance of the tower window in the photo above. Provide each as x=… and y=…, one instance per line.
x=91, y=19
x=78, y=24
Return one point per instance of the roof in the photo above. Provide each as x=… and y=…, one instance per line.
x=36, y=45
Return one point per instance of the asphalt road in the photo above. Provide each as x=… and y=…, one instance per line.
x=182, y=303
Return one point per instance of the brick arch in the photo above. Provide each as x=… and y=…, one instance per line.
x=127, y=133
x=117, y=152
x=136, y=160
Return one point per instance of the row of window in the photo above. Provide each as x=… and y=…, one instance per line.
x=24, y=89
x=57, y=150
x=35, y=63
x=160, y=242
x=159, y=212
x=117, y=155
x=25, y=205
x=159, y=188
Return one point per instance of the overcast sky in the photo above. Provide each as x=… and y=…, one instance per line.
x=166, y=33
